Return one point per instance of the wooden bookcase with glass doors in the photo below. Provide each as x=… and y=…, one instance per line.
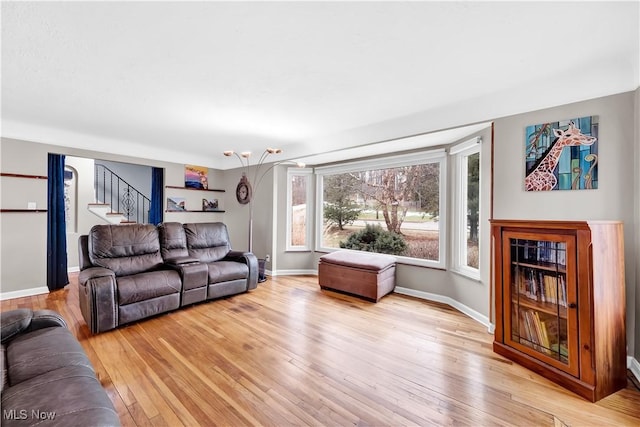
x=560, y=301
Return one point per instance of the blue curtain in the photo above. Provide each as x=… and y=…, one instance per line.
x=155, y=210
x=56, y=227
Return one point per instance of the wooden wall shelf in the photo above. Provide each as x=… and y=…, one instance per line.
x=23, y=210
x=194, y=189
x=216, y=211
x=17, y=175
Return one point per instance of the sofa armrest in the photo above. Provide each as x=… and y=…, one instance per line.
x=15, y=322
x=181, y=260
x=94, y=272
x=98, y=298
x=46, y=319
x=83, y=252
x=252, y=262
x=193, y=274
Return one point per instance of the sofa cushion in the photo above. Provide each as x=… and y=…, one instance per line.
x=69, y=396
x=207, y=241
x=359, y=259
x=129, y=249
x=14, y=322
x=144, y=286
x=224, y=271
x=42, y=351
x=173, y=241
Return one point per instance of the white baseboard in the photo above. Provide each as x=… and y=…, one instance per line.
x=481, y=318
x=24, y=293
x=73, y=269
x=292, y=273
x=634, y=366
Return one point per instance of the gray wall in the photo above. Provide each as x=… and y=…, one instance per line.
x=616, y=194
x=471, y=293
x=138, y=176
x=23, y=245
x=295, y=262
x=263, y=210
x=636, y=322
x=23, y=266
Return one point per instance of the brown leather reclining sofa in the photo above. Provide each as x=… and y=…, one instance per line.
x=47, y=378
x=132, y=271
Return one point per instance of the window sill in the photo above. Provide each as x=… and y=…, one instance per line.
x=298, y=250
x=471, y=275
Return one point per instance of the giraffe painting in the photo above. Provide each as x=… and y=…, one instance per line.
x=562, y=155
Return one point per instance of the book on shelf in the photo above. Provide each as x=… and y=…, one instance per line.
x=540, y=333
x=542, y=326
x=545, y=251
x=541, y=286
x=560, y=348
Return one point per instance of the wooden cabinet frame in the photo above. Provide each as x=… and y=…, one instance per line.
x=595, y=312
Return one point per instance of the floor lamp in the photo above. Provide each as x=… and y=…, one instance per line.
x=246, y=187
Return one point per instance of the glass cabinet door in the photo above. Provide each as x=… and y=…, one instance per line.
x=541, y=318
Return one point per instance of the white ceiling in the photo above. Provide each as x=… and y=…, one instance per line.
x=183, y=81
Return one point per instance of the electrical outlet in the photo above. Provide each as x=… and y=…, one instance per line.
x=267, y=258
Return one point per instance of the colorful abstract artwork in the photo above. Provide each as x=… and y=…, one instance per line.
x=196, y=177
x=562, y=155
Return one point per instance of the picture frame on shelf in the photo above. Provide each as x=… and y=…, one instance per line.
x=176, y=204
x=196, y=177
x=209, y=205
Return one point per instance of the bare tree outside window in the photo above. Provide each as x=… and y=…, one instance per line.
x=473, y=208
x=298, y=204
x=402, y=200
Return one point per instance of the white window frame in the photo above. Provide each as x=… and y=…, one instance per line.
x=460, y=154
x=308, y=173
x=387, y=162
x=71, y=204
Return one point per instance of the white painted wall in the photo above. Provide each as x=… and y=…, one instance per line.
x=84, y=169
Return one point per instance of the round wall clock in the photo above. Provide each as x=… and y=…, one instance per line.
x=243, y=190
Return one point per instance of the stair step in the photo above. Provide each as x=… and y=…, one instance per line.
x=103, y=210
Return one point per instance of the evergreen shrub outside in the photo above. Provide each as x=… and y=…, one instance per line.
x=373, y=238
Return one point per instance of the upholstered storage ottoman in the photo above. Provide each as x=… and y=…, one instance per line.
x=365, y=274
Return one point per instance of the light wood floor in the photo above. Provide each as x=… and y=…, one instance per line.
x=288, y=353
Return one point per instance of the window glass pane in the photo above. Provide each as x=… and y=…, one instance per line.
x=393, y=211
x=298, y=206
x=473, y=208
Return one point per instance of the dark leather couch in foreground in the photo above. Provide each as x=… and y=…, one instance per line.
x=132, y=271
x=47, y=379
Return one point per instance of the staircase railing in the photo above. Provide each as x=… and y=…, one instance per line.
x=122, y=196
